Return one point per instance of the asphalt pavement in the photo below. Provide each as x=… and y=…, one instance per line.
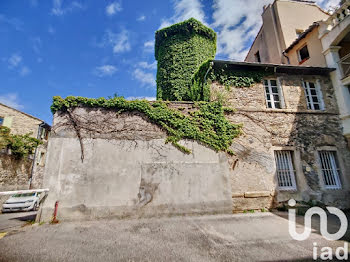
x=237, y=237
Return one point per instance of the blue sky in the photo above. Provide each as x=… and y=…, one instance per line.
x=99, y=48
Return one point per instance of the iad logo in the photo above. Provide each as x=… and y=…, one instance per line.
x=326, y=252
x=323, y=222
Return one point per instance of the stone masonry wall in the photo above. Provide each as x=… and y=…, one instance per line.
x=20, y=123
x=293, y=128
x=18, y=177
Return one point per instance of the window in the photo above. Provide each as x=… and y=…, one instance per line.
x=285, y=170
x=313, y=96
x=1, y=121
x=272, y=92
x=303, y=54
x=257, y=57
x=330, y=169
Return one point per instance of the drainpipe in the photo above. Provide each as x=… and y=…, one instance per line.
x=284, y=54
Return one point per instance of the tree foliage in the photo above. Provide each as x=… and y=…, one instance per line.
x=20, y=145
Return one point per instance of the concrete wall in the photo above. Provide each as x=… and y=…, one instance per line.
x=314, y=47
x=296, y=15
x=280, y=22
x=128, y=170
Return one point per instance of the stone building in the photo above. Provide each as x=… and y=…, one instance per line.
x=26, y=173
x=300, y=33
x=292, y=147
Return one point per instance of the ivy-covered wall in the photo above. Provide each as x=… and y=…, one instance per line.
x=180, y=50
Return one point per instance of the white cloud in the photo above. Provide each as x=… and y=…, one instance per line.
x=51, y=30
x=185, y=9
x=113, y=8
x=149, y=98
x=11, y=100
x=328, y=4
x=146, y=79
x=59, y=10
x=36, y=44
x=13, y=22
x=14, y=60
x=120, y=42
x=148, y=46
x=238, y=22
x=24, y=71
x=146, y=65
x=105, y=70
x=141, y=18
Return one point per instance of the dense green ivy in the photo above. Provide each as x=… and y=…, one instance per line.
x=207, y=124
x=20, y=145
x=180, y=50
x=228, y=77
x=209, y=72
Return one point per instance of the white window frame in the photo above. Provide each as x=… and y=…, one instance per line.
x=306, y=87
x=298, y=52
x=279, y=90
x=285, y=175
x=332, y=173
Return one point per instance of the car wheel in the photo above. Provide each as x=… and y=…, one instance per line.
x=35, y=207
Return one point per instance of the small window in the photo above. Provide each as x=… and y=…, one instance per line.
x=1, y=121
x=257, y=57
x=330, y=169
x=303, y=54
x=313, y=96
x=272, y=93
x=285, y=170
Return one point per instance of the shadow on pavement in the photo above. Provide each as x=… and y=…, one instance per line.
x=20, y=217
x=333, y=223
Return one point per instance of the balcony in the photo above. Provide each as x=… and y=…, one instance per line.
x=338, y=16
x=344, y=64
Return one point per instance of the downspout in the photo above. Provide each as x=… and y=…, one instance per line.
x=284, y=54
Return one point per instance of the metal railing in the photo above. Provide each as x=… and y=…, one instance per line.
x=344, y=64
x=339, y=15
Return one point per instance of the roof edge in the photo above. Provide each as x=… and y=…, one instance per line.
x=22, y=112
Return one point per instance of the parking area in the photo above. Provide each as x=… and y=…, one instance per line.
x=237, y=237
x=11, y=221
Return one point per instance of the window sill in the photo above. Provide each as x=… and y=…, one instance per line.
x=286, y=110
x=304, y=60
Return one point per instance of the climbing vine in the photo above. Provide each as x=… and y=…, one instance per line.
x=206, y=124
x=209, y=72
x=20, y=145
x=180, y=50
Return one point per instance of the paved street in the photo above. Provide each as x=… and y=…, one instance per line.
x=241, y=237
x=11, y=221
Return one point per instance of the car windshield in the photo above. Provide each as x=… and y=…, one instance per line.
x=24, y=195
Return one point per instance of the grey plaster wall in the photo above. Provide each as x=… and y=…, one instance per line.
x=124, y=175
